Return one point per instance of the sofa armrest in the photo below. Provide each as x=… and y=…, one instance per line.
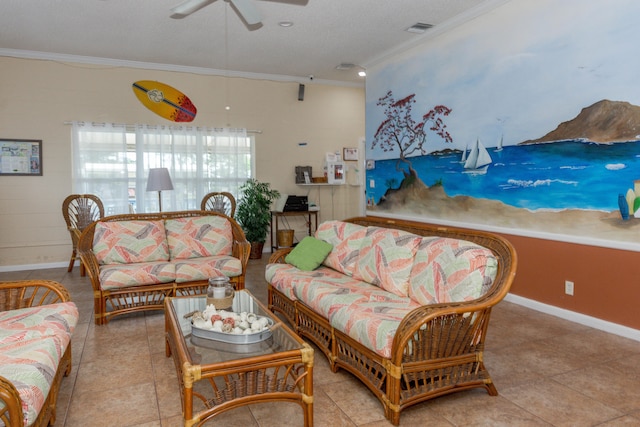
x=31, y=293
x=278, y=256
x=11, y=414
x=241, y=250
x=85, y=250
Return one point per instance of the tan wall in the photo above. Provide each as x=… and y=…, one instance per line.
x=38, y=97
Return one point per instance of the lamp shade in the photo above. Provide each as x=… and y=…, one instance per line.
x=159, y=180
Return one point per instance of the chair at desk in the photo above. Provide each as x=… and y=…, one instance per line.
x=80, y=210
x=222, y=202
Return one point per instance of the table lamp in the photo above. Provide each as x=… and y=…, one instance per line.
x=159, y=180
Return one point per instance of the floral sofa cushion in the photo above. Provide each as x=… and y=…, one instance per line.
x=194, y=269
x=326, y=294
x=117, y=276
x=374, y=321
x=32, y=343
x=385, y=259
x=448, y=270
x=285, y=277
x=36, y=322
x=126, y=242
x=346, y=239
x=31, y=366
x=198, y=237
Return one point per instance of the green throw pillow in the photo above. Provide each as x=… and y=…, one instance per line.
x=309, y=253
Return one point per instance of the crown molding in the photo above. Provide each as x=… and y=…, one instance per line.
x=110, y=62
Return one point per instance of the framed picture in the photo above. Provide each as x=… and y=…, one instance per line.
x=371, y=164
x=21, y=157
x=303, y=174
x=350, y=154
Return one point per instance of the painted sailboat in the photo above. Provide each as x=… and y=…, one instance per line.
x=499, y=147
x=478, y=160
x=464, y=154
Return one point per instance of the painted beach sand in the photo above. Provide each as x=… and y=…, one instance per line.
x=433, y=204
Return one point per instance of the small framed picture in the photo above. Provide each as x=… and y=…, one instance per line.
x=21, y=157
x=371, y=164
x=350, y=154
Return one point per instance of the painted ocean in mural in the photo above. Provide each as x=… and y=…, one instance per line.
x=571, y=174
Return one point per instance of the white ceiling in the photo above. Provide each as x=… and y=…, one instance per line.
x=141, y=33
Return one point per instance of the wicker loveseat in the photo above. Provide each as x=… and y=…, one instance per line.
x=37, y=320
x=135, y=260
x=404, y=306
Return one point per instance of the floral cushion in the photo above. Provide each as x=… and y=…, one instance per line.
x=326, y=294
x=126, y=242
x=36, y=322
x=363, y=311
x=199, y=237
x=32, y=343
x=286, y=278
x=116, y=276
x=346, y=239
x=385, y=259
x=449, y=270
x=31, y=366
x=190, y=270
x=373, y=323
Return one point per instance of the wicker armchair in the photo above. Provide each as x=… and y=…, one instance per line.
x=222, y=202
x=80, y=210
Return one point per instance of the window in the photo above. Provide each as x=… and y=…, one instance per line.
x=113, y=162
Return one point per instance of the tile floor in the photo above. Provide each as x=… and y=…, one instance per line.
x=548, y=371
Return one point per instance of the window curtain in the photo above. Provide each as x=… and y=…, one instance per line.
x=100, y=164
x=200, y=160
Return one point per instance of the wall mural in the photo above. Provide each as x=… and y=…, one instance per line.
x=508, y=125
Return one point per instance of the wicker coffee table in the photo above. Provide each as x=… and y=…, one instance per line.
x=216, y=376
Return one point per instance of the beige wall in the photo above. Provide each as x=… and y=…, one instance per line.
x=38, y=97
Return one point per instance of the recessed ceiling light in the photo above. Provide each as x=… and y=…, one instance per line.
x=362, y=73
x=285, y=24
x=418, y=28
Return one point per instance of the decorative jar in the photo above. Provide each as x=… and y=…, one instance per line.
x=220, y=292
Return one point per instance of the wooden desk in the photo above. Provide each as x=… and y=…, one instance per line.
x=275, y=223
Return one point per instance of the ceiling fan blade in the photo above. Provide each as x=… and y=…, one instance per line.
x=247, y=10
x=187, y=7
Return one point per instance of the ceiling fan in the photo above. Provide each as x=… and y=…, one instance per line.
x=245, y=8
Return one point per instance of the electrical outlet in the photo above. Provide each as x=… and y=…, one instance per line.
x=372, y=183
x=568, y=287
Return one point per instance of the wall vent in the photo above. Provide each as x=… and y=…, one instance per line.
x=419, y=28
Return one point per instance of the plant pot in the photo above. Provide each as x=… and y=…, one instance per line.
x=256, y=250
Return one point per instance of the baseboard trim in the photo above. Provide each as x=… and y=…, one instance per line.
x=582, y=319
x=8, y=268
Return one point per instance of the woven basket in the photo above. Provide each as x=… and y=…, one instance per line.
x=285, y=238
x=221, y=303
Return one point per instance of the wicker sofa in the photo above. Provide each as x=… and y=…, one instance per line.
x=404, y=306
x=135, y=260
x=37, y=320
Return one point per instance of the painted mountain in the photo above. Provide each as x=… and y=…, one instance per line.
x=605, y=121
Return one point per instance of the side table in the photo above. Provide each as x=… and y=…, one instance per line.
x=277, y=216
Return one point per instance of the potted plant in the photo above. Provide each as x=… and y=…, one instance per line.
x=254, y=213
